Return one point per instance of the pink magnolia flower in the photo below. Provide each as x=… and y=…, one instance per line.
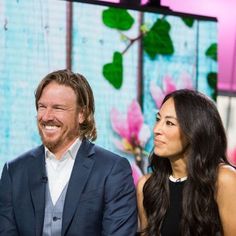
x=232, y=156
x=136, y=173
x=169, y=85
x=131, y=128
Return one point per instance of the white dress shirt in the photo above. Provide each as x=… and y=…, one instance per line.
x=59, y=171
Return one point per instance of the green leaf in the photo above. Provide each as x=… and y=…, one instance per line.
x=212, y=81
x=212, y=51
x=214, y=95
x=188, y=21
x=116, y=18
x=157, y=40
x=113, y=72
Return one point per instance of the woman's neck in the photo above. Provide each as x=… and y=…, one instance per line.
x=179, y=169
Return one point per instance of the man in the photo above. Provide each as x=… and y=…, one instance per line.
x=67, y=186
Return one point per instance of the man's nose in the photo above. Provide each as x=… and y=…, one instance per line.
x=48, y=114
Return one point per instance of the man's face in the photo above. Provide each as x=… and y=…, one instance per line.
x=58, y=117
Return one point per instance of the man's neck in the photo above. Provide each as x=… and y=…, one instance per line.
x=60, y=152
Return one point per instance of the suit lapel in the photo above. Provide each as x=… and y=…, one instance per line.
x=79, y=176
x=37, y=186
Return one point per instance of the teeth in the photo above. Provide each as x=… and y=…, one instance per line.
x=50, y=127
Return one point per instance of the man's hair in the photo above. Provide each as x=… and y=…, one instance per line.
x=84, y=97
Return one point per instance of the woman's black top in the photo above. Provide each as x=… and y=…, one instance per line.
x=171, y=223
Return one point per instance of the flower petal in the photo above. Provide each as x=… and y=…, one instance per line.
x=135, y=120
x=123, y=145
x=168, y=84
x=185, y=81
x=144, y=135
x=157, y=94
x=136, y=173
x=232, y=156
x=119, y=123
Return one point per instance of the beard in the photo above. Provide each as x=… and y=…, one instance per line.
x=66, y=136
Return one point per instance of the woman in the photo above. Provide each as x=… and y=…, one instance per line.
x=192, y=188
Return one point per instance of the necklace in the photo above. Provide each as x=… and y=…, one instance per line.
x=173, y=179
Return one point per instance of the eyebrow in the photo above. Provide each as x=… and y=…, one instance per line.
x=167, y=117
x=54, y=105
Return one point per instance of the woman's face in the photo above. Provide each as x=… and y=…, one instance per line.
x=168, y=138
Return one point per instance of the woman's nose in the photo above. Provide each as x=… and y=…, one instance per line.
x=157, y=127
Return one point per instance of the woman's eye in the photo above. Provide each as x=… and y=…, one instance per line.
x=169, y=123
x=157, y=119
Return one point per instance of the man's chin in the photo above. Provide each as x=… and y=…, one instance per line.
x=51, y=145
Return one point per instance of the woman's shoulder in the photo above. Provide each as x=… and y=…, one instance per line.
x=226, y=180
x=226, y=193
x=142, y=181
x=226, y=174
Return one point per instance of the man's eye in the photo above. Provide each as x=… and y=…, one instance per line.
x=59, y=108
x=41, y=106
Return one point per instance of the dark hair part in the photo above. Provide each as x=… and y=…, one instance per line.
x=84, y=95
x=201, y=124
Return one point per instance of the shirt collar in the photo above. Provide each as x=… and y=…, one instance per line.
x=71, y=151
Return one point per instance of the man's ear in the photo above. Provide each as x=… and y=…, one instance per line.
x=81, y=117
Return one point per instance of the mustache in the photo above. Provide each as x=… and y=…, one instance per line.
x=50, y=123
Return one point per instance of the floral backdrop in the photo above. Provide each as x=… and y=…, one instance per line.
x=131, y=58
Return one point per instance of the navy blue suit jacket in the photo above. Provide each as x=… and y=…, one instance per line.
x=100, y=198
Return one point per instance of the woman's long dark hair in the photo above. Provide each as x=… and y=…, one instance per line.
x=201, y=124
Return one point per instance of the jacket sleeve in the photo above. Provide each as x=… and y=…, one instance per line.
x=7, y=219
x=120, y=210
